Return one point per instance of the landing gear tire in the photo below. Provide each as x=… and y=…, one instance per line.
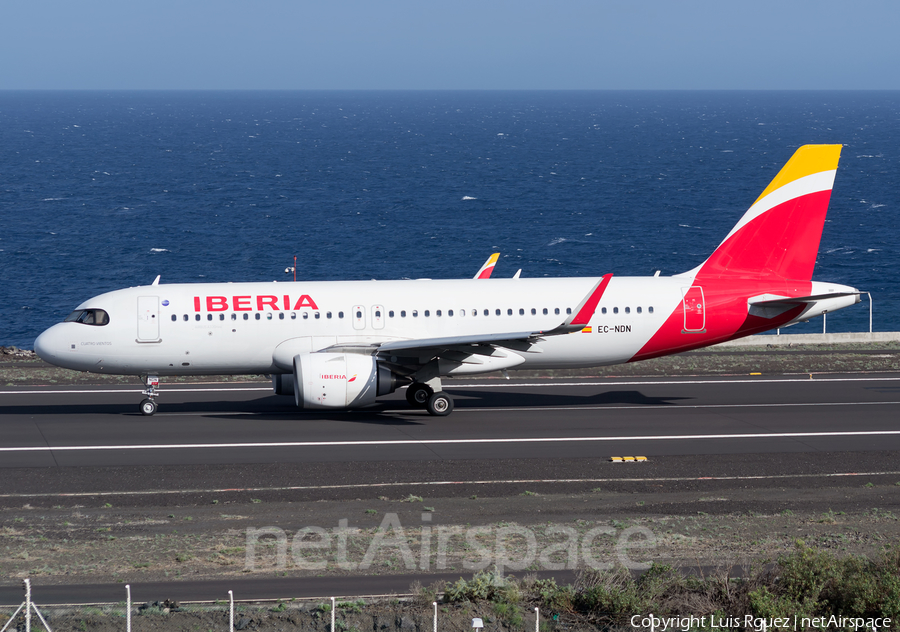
x=148, y=407
x=440, y=404
x=418, y=395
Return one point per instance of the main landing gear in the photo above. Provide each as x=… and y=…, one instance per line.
x=421, y=395
x=148, y=406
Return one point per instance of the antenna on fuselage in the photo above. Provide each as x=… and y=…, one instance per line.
x=156, y=280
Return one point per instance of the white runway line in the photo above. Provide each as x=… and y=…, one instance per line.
x=434, y=442
x=532, y=481
x=129, y=391
x=452, y=385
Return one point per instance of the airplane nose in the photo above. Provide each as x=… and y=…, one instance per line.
x=48, y=345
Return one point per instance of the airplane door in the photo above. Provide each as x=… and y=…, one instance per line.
x=148, y=319
x=377, y=317
x=694, y=310
x=359, y=317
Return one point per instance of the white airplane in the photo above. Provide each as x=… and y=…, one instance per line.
x=338, y=345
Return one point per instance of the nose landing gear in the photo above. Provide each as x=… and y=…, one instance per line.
x=148, y=406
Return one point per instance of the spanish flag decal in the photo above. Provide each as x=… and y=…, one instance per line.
x=586, y=330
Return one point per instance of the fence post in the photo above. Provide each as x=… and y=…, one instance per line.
x=434, y=603
x=27, y=605
x=128, y=607
x=537, y=620
x=332, y=614
x=230, y=611
x=870, y=311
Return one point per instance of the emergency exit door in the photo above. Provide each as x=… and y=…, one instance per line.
x=694, y=310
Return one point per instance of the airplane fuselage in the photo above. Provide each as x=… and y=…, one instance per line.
x=250, y=328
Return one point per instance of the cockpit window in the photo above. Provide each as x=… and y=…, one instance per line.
x=96, y=317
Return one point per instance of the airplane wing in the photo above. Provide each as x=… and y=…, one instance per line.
x=488, y=267
x=457, y=347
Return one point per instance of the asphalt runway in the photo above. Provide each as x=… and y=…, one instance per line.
x=43, y=427
x=92, y=445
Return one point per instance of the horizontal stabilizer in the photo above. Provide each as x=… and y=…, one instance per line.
x=770, y=300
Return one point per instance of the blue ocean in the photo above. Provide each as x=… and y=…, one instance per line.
x=100, y=191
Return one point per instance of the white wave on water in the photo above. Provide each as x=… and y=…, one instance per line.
x=52, y=199
x=874, y=250
x=159, y=250
x=556, y=241
x=467, y=197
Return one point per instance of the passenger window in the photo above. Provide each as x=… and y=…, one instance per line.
x=328, y=314
x=602, y=310
x=318, y=315
x=450, y=312
x=257, y=316
x=221, y=316
x=280, y=315
x=268, y=315
x=209, y=317
x=415, y=313
x=246, y=316
x=358, y=314
x=234, y=317
x=498, y=312
x=427, y=313
x=533, y=311
x=509, y=312
x=185, y=317
x=568, y=310
x=556, y=311
x=545, y=311
x=615, y=310
x=391, y=314
x=521, y=312
x=627, y=310
x=402, y=313
x=650, y=309
x=197, y=317
x=487, y=312
x=340, y=314
x=377, y=313
x=174, y=318
x=638, y=310
x=437, y=313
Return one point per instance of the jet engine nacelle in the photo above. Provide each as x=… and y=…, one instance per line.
x=340, y=380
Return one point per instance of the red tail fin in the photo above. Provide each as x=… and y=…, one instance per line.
x=779, y=235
